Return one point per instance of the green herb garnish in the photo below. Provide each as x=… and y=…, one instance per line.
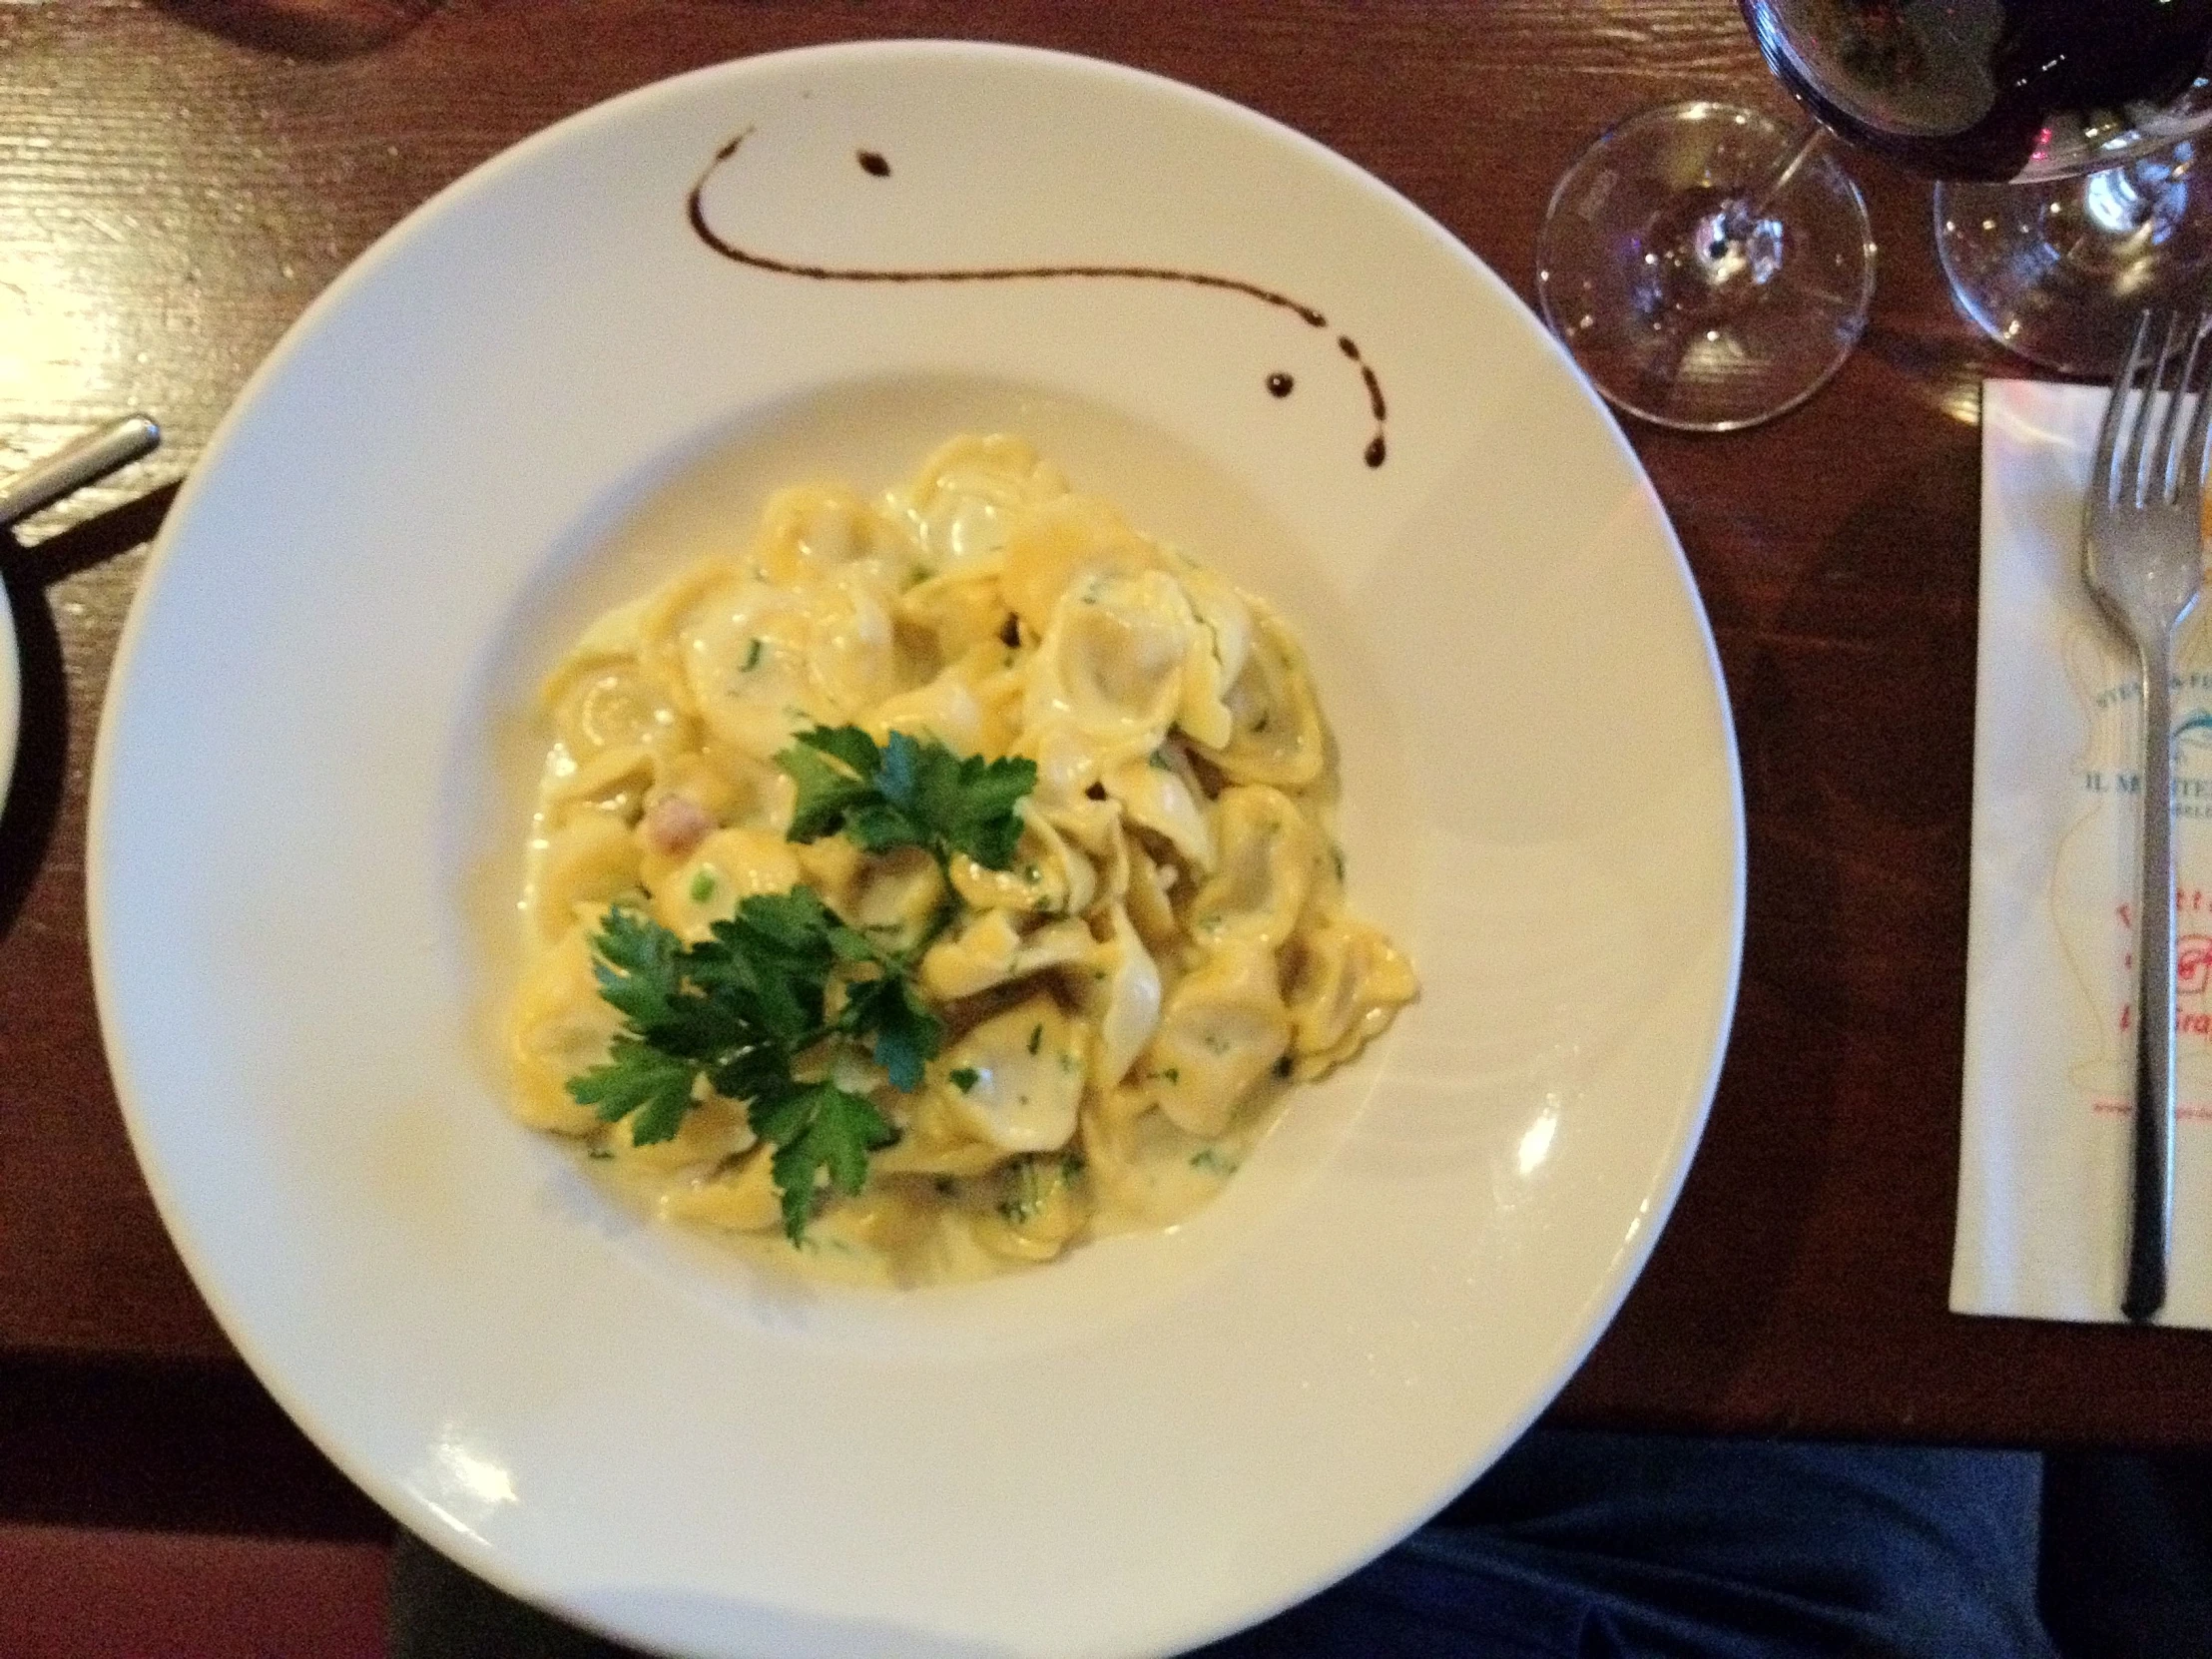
x=735, y=1013
x=964, y=1079
x=908, y=792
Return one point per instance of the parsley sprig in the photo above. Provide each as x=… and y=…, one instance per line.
x=738, y=1014
x=911, y=792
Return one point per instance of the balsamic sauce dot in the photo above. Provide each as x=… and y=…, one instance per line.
x=1281, y=384
x=872, y=164
x=1376, y=450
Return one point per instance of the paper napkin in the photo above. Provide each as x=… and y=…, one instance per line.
x=2050, y=1073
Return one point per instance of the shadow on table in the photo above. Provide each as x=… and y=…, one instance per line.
x=144, y=1447
x=1859, y=781
x=35, y=795
x=1858, y=722
x=1851, y=681
x=321, y=31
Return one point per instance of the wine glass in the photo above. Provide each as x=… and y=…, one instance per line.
x=2064, y=133
x=1707, y=268
x=1707, y=271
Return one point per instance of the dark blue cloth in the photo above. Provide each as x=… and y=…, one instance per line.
x=1584, y=1546
x=1607, y=1546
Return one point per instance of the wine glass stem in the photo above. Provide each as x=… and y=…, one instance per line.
x=1740, y=218
x=1811, y=137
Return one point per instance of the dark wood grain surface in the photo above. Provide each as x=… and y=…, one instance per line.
x=178, y=180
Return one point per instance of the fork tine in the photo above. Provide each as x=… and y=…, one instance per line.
x=2103, y=472
x=2189, y=486
x=2132, y=465
x=2164, y=458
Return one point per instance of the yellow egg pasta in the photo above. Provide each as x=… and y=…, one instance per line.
x=1115, y=1006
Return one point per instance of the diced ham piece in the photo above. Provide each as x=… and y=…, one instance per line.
x=676, y=823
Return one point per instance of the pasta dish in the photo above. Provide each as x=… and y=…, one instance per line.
x=936, y=883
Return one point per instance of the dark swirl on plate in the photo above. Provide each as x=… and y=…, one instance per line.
x=875, y=166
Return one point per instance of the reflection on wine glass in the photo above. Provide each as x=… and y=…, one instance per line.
x=2067, y=130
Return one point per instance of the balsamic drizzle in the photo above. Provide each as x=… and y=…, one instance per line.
x=875, y=164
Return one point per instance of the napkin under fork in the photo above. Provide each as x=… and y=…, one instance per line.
x=2043, y=1149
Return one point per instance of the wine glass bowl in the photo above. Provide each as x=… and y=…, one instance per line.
x=1994, y=91
x=2064, y=134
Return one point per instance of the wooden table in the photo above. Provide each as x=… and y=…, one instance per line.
x=179, y=179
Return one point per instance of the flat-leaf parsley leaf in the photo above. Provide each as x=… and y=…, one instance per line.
x=814, y=1128
x=910, y=791
x=735, y=1012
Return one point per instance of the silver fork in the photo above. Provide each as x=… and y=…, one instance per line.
x=2142, y=544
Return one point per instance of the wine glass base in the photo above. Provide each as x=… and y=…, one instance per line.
x=2059, y=273
x=1679, y=305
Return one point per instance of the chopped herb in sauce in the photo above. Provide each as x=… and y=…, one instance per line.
x=1023, y=1203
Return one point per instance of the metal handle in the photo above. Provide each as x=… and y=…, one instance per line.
x=92, y=456
x=2153, y=1181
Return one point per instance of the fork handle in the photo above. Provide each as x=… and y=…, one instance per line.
x=2151, y=1211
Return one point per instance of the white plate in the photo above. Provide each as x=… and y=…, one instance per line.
x=544, y=389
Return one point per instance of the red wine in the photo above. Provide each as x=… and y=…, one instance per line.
x=1987, y=89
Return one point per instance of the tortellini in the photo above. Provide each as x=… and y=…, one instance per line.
x=1016, y=1080
x=1122, y=1003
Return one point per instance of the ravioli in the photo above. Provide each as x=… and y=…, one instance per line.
x=1124, y=1003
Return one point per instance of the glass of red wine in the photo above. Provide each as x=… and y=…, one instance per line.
x=1709, y=269
x=2065, y=132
